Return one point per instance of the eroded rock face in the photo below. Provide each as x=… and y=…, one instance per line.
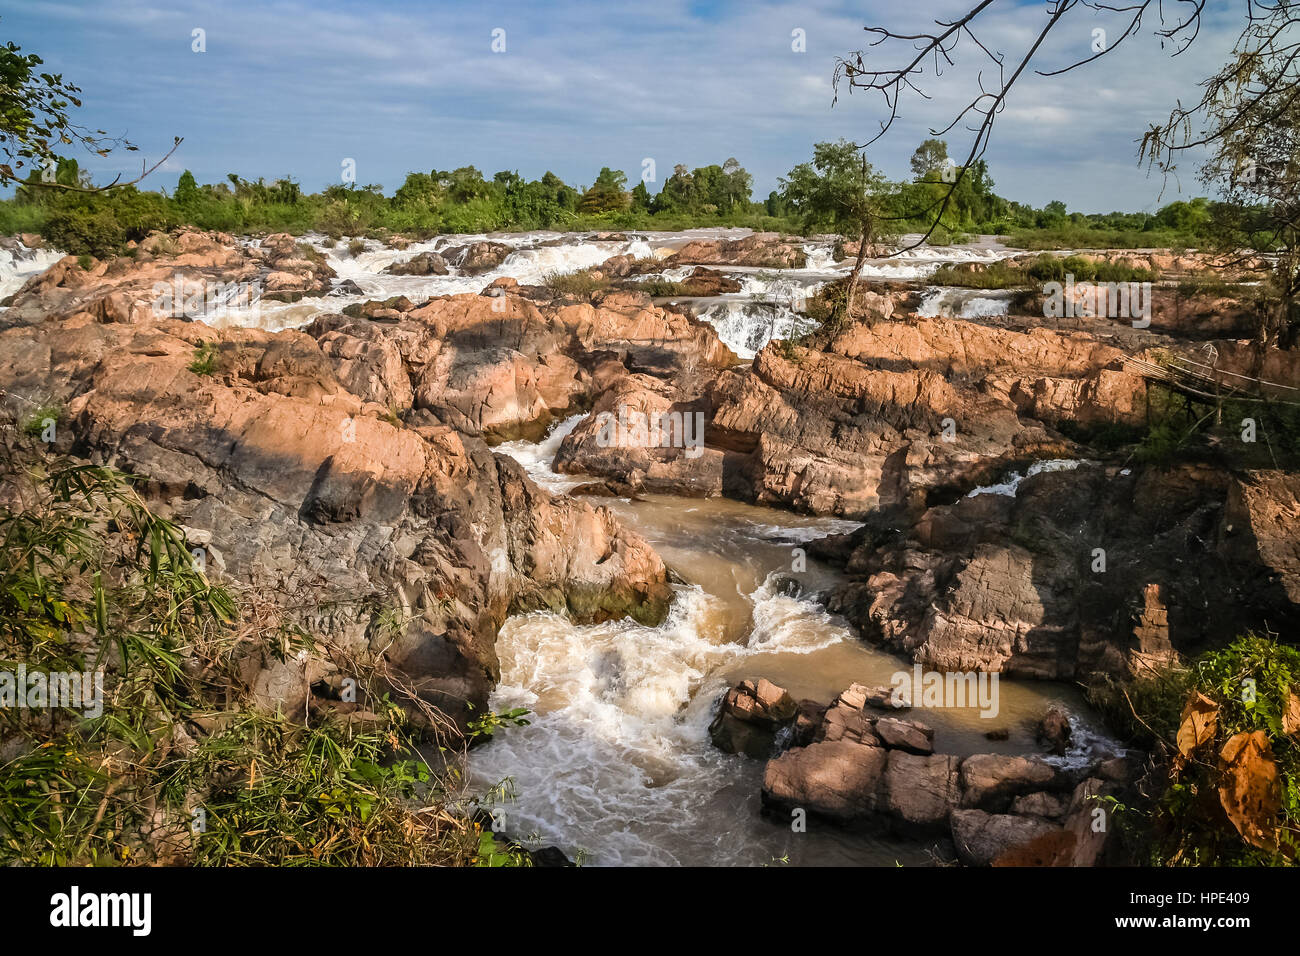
x=501, y=365
x=315, y=495
x=883, y=416
x=1015, y=584
x=891, y=412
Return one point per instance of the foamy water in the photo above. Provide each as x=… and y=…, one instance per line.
x=617, y=766
x=963, y=303
x=20, y=264
x=745, y=327
x=1009, y=484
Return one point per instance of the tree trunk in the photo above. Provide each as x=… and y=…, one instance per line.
x=857, y=271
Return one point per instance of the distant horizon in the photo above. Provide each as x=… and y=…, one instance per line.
x=285, y=89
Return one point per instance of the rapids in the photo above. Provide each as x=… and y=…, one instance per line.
x=617, y=767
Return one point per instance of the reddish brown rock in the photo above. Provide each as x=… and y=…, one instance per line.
x=838, y=779
x=750, y=716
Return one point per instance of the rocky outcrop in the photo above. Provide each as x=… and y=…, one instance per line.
x=998, y=809
x=749, y=717
x=173, y=276
x=981, y=838
x=283, y=458
x=1090, y=570
x=884, y=416
x=708, y=282
x=766, y=250
x=500, y=364
x=475, y=258
x=425, y=264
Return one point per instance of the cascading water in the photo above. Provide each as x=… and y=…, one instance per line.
x=746, y=326
x=617, y=765
x=964, y=303
x=18, y=263
x=617, y=759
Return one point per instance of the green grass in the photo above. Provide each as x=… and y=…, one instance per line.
x=1046, y=268
x=180, y=768
x=580, y=283
x=1078, y=237
x=33, y=423
x=659, y=288
x=205, y=359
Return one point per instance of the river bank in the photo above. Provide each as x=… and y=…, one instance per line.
x=868, y=495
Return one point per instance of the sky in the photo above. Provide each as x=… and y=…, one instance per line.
x=283, y=87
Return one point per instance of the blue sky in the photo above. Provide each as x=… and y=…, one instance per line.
x=296, y=87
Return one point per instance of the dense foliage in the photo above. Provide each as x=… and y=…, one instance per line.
x=1186, y=813
x=463, y=200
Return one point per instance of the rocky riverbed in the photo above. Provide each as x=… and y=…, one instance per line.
x=416, y=432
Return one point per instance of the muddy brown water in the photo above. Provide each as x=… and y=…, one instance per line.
x=616, y=766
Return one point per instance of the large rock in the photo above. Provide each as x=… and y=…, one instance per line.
x=840, y=780
x=500, y=365
x=981, y=838
x=311, y=495
x=425, y=264
x=186, y=274
x=991, y=781
x=476, y=258
x=920, y=791
x=750, y=716
x=909, y=735
x=765, y=250
x=1087, y=570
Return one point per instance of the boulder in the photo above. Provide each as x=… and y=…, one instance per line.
x=921, y=791
x=425, y=264
x=909, y=735
x=840, y=780
x=476, y=258
x=991, y=781
x=749, y=717
x=981, y=838
x=1053, y=730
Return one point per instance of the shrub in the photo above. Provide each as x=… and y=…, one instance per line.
x=205, y=359
x=91, y=579
x=577, y=283
x=1253, y=685
x=78, y=231
x=658, y=288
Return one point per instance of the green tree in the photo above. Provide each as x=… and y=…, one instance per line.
x=929, y=157
x=641, y=197
x=607, y=193
x=187, y=190
x=35, y=124
x=840, y=191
